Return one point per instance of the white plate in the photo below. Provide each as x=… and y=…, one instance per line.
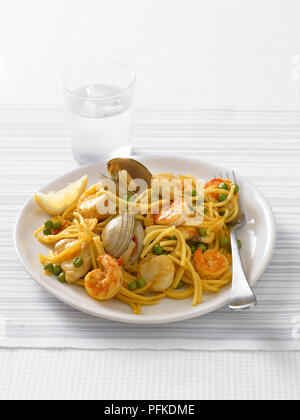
x=258, y=239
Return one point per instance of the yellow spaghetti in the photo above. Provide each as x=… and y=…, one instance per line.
x=166, y=257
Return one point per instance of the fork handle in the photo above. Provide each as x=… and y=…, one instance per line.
x=242, y=296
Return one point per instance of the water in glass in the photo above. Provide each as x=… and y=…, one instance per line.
x=100, y=123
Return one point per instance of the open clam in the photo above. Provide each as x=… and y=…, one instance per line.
x=138, y=239
x=134, y=169
x=123, y=237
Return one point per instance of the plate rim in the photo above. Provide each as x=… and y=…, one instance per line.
x=130, y=318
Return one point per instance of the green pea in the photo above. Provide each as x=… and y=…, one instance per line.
x=224, y=186
x=132, y=286
x=158, y=250
x=222, y=197
x=57, y=270
x=201, y=246
x=193, y=248
x=224, y=242
x=194, y=193
x=49, y=224
x=62, y=277
x=239, y=244
x=47, y=232
x=140, y=283
x=203, y=232
x=48, y=267
x=128, y=197
x=78, y=262
x=180, y=285
x=56, y=225
x=236, y=188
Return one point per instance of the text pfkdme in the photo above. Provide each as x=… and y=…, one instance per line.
x=144, y=409
x=171, y=409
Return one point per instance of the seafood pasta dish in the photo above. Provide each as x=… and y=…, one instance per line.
x=140, y=237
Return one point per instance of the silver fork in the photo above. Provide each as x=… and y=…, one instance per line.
x=242, y=296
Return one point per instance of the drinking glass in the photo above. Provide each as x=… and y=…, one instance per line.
x=98, y=97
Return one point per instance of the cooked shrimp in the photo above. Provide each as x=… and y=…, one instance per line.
x=158, y=270
x=173, y=215
x=73, y=273
x=211, y=265
x=91, y=201
x=105, y=284
x=215, y=183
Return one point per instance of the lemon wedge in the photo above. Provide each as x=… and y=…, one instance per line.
x=55, y=203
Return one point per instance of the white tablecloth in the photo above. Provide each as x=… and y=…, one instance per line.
x=234, y=138
x=149, y=375
x=186, y=54
x=35, y=137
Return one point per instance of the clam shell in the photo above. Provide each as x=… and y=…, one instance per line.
x=134, y=168
x=139, y=234
x=117, y=234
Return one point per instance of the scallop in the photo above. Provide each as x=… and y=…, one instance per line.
x=73, y=273
x=158, y=270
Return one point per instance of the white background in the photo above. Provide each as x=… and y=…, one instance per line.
x=236, y=52
x=186, y=53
